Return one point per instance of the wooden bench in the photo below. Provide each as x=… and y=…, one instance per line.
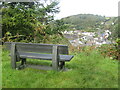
x=19, y=52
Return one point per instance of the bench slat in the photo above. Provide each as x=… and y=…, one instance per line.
x=44, y=56
x=37, y=47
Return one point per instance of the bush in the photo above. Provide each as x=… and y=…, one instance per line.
x=109, y=51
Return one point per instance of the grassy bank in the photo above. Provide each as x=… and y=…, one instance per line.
x=86, y=71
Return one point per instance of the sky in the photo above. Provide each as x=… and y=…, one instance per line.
x=96, y=7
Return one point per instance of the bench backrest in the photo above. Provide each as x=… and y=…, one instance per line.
x=36, y=47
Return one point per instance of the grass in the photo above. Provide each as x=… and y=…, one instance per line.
x=0, y=66
x=86, y=71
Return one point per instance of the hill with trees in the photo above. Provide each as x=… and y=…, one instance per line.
x=89, y=22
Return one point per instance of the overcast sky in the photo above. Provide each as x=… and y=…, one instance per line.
x=97, y=7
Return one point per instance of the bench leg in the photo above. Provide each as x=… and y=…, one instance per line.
x=13, y=56
x=55, y=58
x=23, y=63
x=62, y=65
x=13, y=63
x=55, y=65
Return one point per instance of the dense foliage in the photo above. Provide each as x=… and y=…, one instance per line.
x=29, y=21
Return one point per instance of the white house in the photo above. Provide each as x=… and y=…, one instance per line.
x=107, y=34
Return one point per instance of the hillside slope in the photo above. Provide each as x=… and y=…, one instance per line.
x=89, y=21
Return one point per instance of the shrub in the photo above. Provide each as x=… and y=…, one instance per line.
x=109, y=51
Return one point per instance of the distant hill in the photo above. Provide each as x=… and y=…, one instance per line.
x=89, y=21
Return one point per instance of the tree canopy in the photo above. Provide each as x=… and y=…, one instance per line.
x=29, y=18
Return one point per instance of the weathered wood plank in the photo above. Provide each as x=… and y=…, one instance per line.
x=7, y=45
x=63, y=49
x=44, y=56
x=13, y=56
x=55, y=58
x=35, y=47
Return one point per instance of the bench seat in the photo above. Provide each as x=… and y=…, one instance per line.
x=44, y=56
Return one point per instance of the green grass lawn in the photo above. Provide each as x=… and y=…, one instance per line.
x=86, y=71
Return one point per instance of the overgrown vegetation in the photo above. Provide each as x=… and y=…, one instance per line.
x=85, y=71
x=30, y=21
x=109, y=51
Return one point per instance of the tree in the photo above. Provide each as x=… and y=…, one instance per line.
x=57, y=27
x=28, y=18
x=17, y=17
